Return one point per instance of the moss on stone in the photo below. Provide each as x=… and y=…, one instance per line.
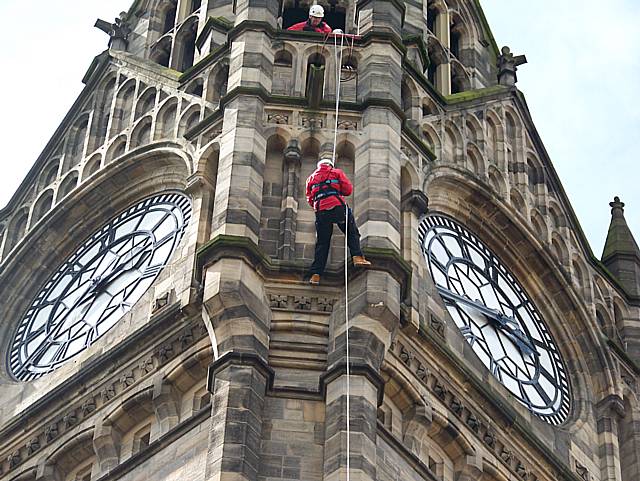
x=475, y=94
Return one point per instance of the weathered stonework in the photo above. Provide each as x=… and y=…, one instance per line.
x=231, y=367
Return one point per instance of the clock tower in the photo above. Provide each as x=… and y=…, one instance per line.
x=157, y=317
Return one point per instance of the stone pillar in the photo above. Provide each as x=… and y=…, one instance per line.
x=443, y=71
x=238, y=383
x=165, y=404
x=629, y=442
x=105, y=441
x=292, y=159
x=243, y=145
x=609, y=411
x=377, y=160
x=384, y=15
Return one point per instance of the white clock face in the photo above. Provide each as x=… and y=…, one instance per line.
x=95, y=287
x=496, y=317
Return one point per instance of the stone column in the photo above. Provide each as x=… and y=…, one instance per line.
x=238, y=383
x=165, y=403
x=106, y=440
x=292, y=159
x=609, y=411
x=443, y=71
x=243, y=145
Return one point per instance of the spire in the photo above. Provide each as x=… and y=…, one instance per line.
x=621, y=254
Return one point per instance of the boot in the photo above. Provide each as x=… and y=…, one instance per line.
x=360, y=261
x=315, y=279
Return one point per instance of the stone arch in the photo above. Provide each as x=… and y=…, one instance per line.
x=495, y=139
x=460, y=77
x=141, y=134
x=49, y=174
x=518, y=203
x=28, y=474
x=189, y=119
x=195, y=87
x=497, y=181
x=452, y=145
x=128, y=428
x=146, y=102
x=67, y=185
x=161, y=51
x=207, y=170
x=559, y=248
x=619, y=315
x=409, y=99
x=432, y=138
x=539, y=225
x=102, y=113
x=16, y=230
x=166, y=120
x=41, y=206
x=316, y=64
x=184, y=49
x=75, y=457
x=217, y=83
x=123, y=108
x=283, y=71
x=272, y=195
x=535, y=174
x=429, y=107
x=557, y=218
x=349, y=76
x=579, y=273
x=475, y=161
x=93, y=165
x=188, y=377
x=512, y=136
x=116, y=149
x=474, y=132
x=75, y=143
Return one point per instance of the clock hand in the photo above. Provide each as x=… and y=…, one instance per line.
x=509, y=325
x=123, y=267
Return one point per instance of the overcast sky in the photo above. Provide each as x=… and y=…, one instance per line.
x=580, y=84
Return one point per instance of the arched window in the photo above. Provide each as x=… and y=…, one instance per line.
x=161, y=52
x=123, y=108
x=101, y=115
x=16, y=231
x=75, y=144
x=315, y=76
x=43, y=205
x=186, y=46
x=169, y=17
x=166, y=120
x=283, y=58
x=195, y=88
x=68, y=184
x=145, y=103
x=195, y=5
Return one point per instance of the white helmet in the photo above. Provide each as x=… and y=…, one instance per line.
x=316, y=11
x=326, y=160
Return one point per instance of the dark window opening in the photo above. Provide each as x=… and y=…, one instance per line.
x=294, y=15
x=169, y=19
x=455, y=43
x=188, y=51
x=431, y=73
x=315, y=76
x=457, y=85
x=196, y=89
x=195, y=5
x=283, y=59
x=432, y=13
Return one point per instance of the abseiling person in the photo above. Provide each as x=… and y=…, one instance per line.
x=325, y=189
x=315, y=23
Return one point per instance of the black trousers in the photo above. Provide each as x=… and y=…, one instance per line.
x=324, y=230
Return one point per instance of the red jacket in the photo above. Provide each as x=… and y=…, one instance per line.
x=321, y=28
x=315, y=184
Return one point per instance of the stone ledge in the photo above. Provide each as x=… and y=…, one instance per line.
x=355, y=370
x=237, y=247
x=239, y=359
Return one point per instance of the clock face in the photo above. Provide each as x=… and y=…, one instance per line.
x=97, y=285
x=496, y=317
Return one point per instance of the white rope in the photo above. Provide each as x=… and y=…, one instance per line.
x=338, y=64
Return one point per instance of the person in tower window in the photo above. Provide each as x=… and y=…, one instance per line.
x=325, y=189
x=315, y=22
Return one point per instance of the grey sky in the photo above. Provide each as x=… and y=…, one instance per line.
x=580, y=84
